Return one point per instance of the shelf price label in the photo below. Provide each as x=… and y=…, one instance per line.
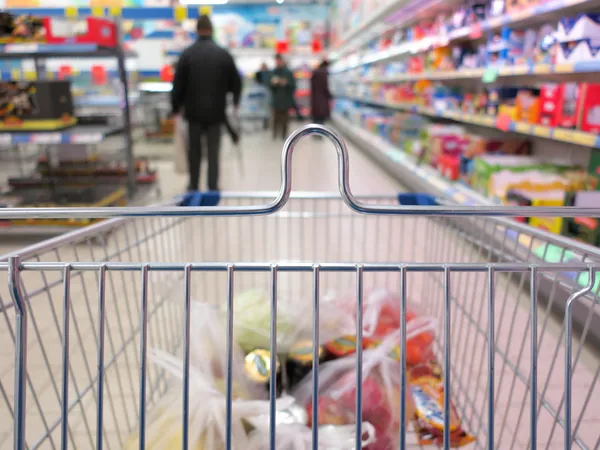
x=576, y=137
x=522, y=127
x=541, y=131
x=490, y=75
x=46, y=138
x=87, y=138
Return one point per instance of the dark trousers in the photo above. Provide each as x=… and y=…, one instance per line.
x=280, y=124
x=203, y=138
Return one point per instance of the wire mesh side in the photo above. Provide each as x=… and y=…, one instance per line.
x=309, y=230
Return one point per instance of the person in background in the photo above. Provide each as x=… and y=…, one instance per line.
x=283, y=86
x=205, y=74
x=320, y=96
x=262, y=76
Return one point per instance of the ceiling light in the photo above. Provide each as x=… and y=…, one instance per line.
x=279, y=1
x=202, y=2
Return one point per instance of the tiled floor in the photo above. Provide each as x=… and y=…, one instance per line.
x=308, y=230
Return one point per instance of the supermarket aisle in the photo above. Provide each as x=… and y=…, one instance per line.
x=314, y=168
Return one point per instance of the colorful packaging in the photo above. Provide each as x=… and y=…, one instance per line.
x=380, y=394
x=569, y=105
x=589, y=119
x=426, y=386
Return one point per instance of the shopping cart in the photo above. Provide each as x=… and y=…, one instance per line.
x=254, y=108
x=80, y=313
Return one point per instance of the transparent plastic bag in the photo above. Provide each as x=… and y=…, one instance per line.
x=252, y=321
x=381, y=317
x=207, y=424
x=207, y=401
x=299, y=437
x=380, y=393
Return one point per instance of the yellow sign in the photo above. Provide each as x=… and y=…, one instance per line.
x=97, y=12
x=71, y=11
x=180, y=13
x=114, y=11
x=205, y=10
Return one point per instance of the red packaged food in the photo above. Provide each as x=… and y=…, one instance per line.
x=427, y=388
x=380, y=394
x=381, y=318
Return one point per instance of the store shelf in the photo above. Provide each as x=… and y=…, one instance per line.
x=556, y=134
x=34, y=50
x=80, y=134
x=507, y=235
x=376, y=16
x=538, y=13
x=501, y=72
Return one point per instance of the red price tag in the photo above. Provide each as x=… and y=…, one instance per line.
x=476, y=31
x=503, y=122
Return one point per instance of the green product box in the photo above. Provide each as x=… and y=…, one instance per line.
x=585, y=229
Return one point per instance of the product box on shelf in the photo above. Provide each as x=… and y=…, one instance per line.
x=506, y=47
x=90, y=30
x=578, y=38
x=585, y=229
x=19, y=29
x=527, y=107
x=532, y=198
x=589, y=112
x=36, y=106
x=550, y=98
x=569, y=105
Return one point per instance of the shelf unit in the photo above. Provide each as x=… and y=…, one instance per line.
x=553, y=133
x=78, y=134
x=419, y=178
x=537, y=14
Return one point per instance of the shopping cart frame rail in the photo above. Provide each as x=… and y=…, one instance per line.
x=284, y=195
x=15, y=265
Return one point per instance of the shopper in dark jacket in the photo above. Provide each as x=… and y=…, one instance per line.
x=320, y=96
x=205, y=74
x=283, y=87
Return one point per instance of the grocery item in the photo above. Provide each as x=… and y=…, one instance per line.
x=427, y=389
x=300, y=361
x=589, y=114
x=569, y=105
x=257, y=366
x=252, y=321
x=380, y=393
x=294, y=435
x=38, y=105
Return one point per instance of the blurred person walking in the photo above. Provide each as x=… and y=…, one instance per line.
x=205, y=74
x=320, y=96
x=283, y=86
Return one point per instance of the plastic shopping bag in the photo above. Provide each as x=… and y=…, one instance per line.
x=252, y=321
x=181, y=145
x=380, y=393
x=381, y=317
x=299, y=437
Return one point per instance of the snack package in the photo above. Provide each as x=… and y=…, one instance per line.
x=381, y=316
x=380, y=393
x=427, y=387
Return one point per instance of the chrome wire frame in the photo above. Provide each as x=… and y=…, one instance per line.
x=105, y=294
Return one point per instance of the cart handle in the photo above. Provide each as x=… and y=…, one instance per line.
x=284, y=195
